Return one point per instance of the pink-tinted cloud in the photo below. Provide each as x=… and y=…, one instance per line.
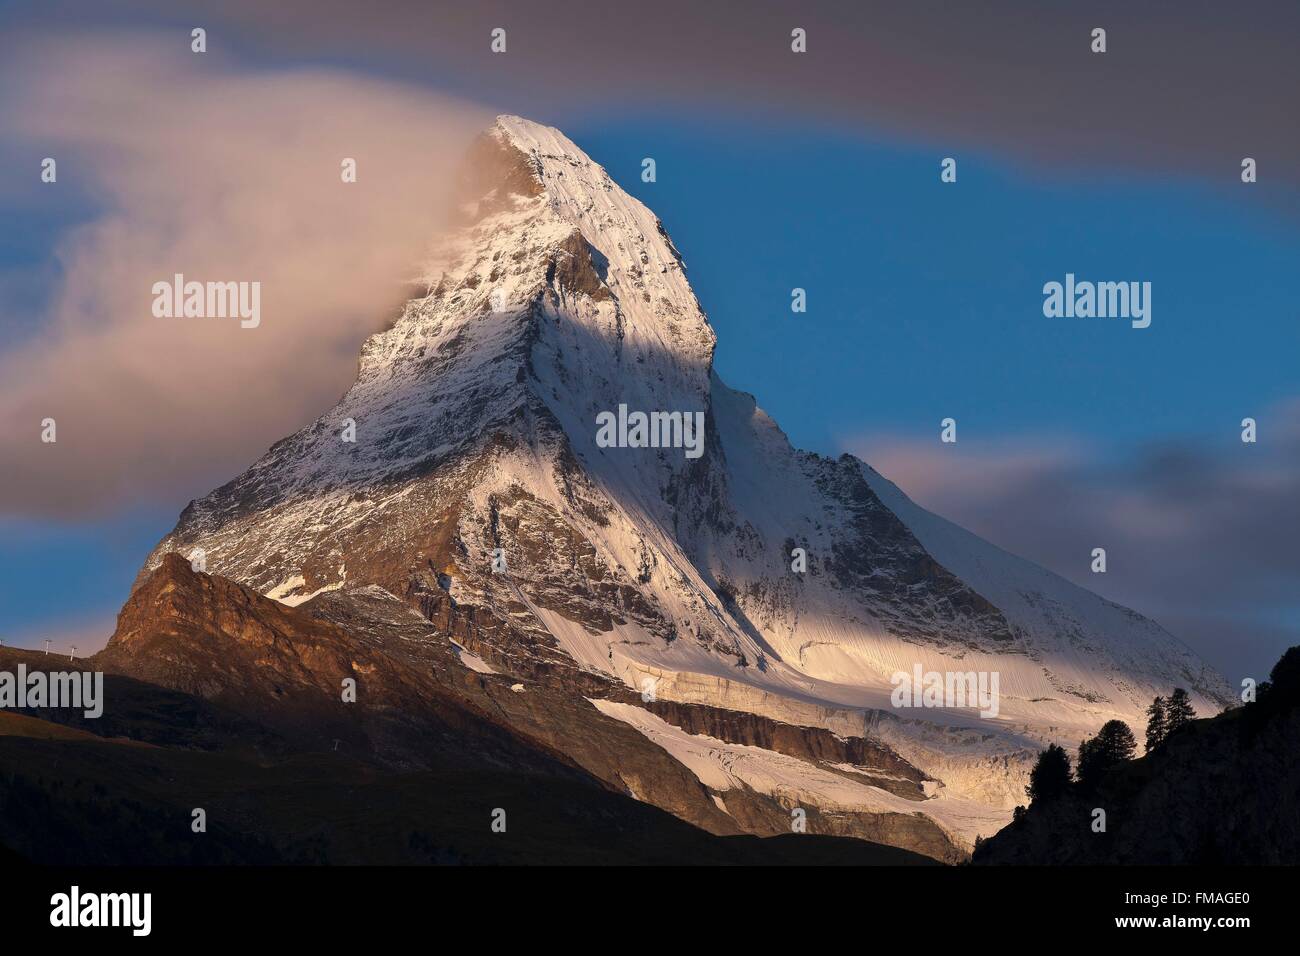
x=1183, y=89
x=958, y=477
x=199, y=167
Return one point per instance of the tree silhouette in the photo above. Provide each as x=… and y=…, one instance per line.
x=1051, y=775
x=1157, y=723
x=1284, y=679
x=1178, y=711
x=1278, y=695
x=1113, y=745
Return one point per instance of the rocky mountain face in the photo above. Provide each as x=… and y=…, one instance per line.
x=713, y=628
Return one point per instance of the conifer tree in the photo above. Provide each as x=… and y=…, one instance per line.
x=1157, y=724
x=1113, y=745
x=1051, y=775
x=1178, y=711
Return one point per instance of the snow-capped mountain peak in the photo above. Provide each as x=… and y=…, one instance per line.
x=465, y=473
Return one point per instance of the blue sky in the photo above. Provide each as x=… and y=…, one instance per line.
x=925, y=298
x=924, y=301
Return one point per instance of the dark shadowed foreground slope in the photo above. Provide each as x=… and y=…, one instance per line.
x=221, y=700
x=1225, y=790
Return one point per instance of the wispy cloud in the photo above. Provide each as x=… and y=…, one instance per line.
x=192, y=164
